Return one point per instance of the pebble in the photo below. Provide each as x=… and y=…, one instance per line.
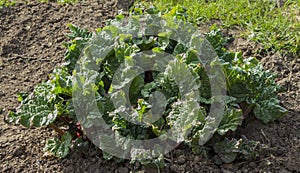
x=227, y=166
x=178, y=153
x=181, y=160
x=9, y=157
x=123, y=170
x=226, y=171
x=252, y=165
x=197, y=159
x=19, y=151
x=174, y=168
x=94, y=159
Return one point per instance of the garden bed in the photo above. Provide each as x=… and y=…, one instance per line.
x=31, y=46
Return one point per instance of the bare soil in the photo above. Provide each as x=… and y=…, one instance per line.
x=31, y=46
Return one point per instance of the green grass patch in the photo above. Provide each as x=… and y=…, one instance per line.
x=6, y=3
x=277, y=28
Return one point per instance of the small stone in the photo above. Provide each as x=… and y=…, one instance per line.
x=94, y=159
x=226, y=171
x=123, y=170
x=252, y=165
x=181, y=160
x=89, y=10
x=174, y=168
x=9, y=157
x=227, y=166
x=178, y=153
x=13, y=77
x=19, y=151
x=197, y=159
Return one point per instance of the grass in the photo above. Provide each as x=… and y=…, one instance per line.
x=277, y=28
x=6, y=3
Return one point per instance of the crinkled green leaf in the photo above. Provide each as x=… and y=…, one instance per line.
x=135, y=89
x=230, y=150
x=227, y=150
x=62, y=83
x=232, y=118
x=183, y=118
x=59, y=147
x=79, y=39
x=77, y=32
x=269, y=110
x=38, y=109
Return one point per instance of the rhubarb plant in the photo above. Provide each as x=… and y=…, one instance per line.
x=250, y=90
